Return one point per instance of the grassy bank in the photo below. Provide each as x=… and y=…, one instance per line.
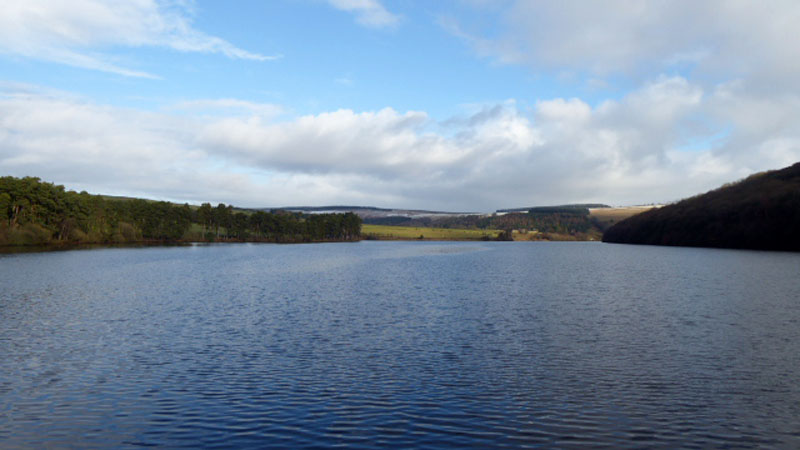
x=401, y=233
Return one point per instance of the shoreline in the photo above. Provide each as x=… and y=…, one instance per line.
x=67, y=246
x=17, y=249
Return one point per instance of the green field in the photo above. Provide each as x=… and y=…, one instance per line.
x=386, y=232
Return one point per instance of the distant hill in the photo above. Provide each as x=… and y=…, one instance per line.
x=560, y=207
x=397, y=216
x=326, y=208
x=759, y=212
x=368, y=212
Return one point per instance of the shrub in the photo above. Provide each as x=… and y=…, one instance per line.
x=77, y=235
x=29, y=234
x=128, y=232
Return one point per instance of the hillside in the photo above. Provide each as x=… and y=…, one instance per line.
x=759, y=212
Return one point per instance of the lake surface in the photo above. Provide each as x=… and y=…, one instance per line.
x=407, y=344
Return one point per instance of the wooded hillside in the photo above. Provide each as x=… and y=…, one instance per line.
x=33, y=212
x=759, y=212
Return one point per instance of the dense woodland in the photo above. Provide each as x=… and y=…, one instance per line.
x=759, y=212
x=33, y=212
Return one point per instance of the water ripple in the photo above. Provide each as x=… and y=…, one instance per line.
x=424, y=345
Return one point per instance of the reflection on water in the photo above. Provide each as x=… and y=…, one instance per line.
x=400, y=343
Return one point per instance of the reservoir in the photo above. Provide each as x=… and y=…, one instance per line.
x=401, y=344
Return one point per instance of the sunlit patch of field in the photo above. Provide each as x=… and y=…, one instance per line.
x=609, y=216
x=387, y=232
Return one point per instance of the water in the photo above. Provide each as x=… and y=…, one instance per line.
x=400, y=344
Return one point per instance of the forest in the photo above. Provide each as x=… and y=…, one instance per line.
x=33, y=212
x=759, y=212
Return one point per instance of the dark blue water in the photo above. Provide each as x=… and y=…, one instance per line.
x=400, y=344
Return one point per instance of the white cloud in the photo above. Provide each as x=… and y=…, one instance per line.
x=370, y=13
x=560, y=109
x=384, y=143
x=624, y=151
x=229, y=107
x=77, y=32
x=720, y=37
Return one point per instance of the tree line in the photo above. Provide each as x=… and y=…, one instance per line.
x=33, y=212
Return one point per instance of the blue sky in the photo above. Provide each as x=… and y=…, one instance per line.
x=453, y=105
x=324, y=60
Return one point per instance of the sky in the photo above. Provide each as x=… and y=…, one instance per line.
x=453, y=105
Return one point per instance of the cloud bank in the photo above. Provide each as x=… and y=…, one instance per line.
x=753, y=40
x=639, y=149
